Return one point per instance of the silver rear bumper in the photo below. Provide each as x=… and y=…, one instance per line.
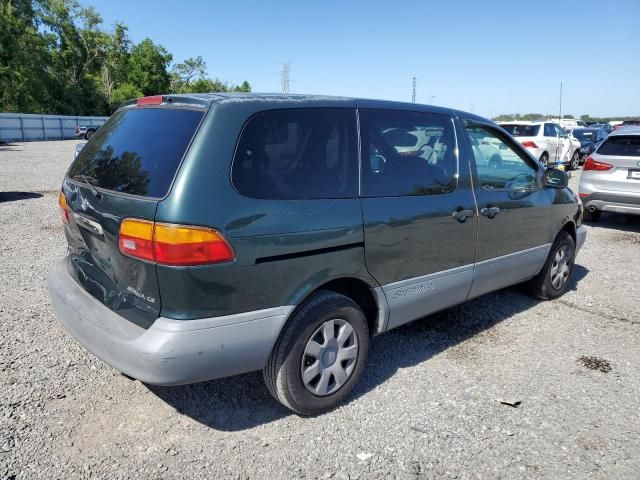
x=170, y=352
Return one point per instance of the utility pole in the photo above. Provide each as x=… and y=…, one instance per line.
x=284, y=77
x=560, y=116
x=431, y=97
x=413, y=91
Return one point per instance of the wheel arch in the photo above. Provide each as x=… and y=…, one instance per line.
x=570, y=228
x=369, y=298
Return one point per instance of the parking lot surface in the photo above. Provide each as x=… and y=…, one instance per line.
x=504, y=386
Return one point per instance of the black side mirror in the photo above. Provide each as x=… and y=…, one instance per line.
x=554, y=178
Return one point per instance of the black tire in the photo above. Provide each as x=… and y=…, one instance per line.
x=588, y=216
x=575, y=161
x=541, y=285
x=544, y=159
x=283, y=373
x=89, y=134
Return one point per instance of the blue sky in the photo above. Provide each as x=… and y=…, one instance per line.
x=489, y=57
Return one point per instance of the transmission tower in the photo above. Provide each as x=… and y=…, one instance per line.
x=284, y=77
x=413, y=90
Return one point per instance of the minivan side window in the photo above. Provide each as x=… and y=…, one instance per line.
x=500, y=166
x=407, y=153
x=297, y=154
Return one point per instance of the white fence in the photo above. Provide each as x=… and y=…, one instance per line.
x=27, y=127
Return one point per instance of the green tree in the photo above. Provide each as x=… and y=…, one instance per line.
x=243, y=87
x=115, y=66
x=182, y=74
x=148, y=64
x=24, y=84
x=55, y=57
x=122, y=93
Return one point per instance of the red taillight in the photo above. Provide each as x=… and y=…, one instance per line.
x=583, y=195
x=152, y=100
x=591, y=164
x=169, y=244
x=64, y=208
x=529, y=144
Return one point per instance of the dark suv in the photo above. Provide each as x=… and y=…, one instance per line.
x=211, y=235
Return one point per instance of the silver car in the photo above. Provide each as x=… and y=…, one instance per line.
x=610, y=180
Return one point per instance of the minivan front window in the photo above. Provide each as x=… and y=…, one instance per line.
x=137, y=151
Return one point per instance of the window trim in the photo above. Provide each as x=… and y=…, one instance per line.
x=508, y=140
x=456, y=150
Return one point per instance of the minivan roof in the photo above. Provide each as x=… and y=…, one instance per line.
x=205, y=100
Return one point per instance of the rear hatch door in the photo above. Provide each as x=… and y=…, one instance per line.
x=623, y=152
x=122, y=172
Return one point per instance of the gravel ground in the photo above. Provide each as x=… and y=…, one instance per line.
x=427, y=407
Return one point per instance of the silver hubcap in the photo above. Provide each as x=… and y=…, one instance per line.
x=329, y=357
x=576, y=161
x=561, y=267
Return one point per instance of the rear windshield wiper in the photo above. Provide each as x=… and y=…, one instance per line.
x=87, y=181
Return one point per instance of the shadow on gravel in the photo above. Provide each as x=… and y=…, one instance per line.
x=7, y=147
x=617, y=221
x=242, y=402
x=13, y=196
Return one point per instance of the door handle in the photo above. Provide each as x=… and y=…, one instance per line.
x=462, y=215
x=490, y=211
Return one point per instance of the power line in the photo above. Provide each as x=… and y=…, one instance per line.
x=284, y=77
x=413, y=91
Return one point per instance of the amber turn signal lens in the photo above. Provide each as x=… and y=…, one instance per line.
x=168, y=244
x=64, y=208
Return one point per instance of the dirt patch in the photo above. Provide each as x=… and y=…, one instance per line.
x=627, y=237
x=52, y=228
x=595, y=363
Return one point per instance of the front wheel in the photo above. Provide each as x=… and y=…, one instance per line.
x=89, y=134
x=553, y=279
x=575, y=161
x=544, y=159
x=320, y=355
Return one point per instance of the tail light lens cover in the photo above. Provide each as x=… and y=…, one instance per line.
x=529, y=144
x=64, y=208
x=591, y=164
x=169, y=244
x=135, y=239
x=151, y=100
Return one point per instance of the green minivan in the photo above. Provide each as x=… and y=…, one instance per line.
x=217, y=234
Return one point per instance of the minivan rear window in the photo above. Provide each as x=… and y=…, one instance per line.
x=621, y=146
x=297, y=154
x=522, y=130
x=137, y=151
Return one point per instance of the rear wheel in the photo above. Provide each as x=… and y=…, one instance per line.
x=591, y=216
x=89, y=134
x=544, y=159
x=320, y=355
x=575, y=161
x=553, y=279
